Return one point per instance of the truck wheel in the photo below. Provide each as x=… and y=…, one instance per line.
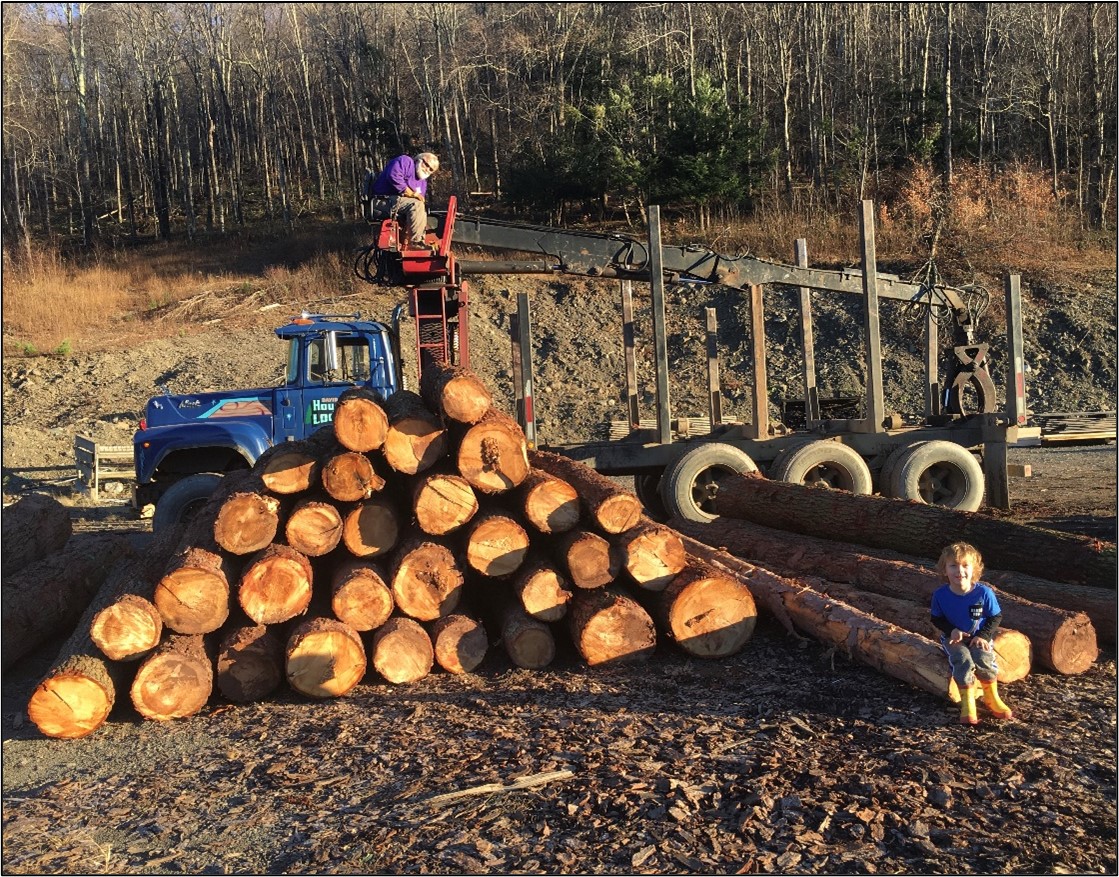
x=940, y=473
x=182, y=500
x=647, y=486
x=825, y=464
x=690, y=486
x=887, y=476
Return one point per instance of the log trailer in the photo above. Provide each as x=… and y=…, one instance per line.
x=677, y=468
x=187, y=442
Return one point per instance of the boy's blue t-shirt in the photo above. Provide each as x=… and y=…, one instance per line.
x=966, y=612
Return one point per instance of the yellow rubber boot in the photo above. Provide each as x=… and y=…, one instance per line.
x=953, y=690
x=968, y=715
x=993, y=702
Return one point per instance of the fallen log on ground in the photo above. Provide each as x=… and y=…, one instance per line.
x=76, y=695
x=33, y=528
x=46, y=598
x=916, y=528
x=1062, y=641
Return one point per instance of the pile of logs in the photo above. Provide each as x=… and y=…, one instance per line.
x=420, y=532
x=411, y=534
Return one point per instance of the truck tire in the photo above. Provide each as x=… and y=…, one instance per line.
x=887, y=476
x=940, y=473
x=183, y=499
x=647, y=486
x=690, y=486
x=825, y=464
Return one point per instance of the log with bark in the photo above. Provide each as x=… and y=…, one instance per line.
x=426, y=580
x=652, y=554
x=1062, y=641
x=493, y=453
x=248, y=519
x=496, y=545
x=541, y=589
x=77, y=693
x=324, y=658
x=360, y=595
x=128, y=628
x=612, y=508
x=33, y=528
x=250, y=663
x=549, y=504
x=360, y=422
x=371, y=528
x=706, y=612
x=46, y=598
x=402, y=651
x=416, y=438
x=443, y=502
x=610, y=627
x=293, y=467
x=454, y=392
x=175, y=680
x=276, y=585
x=460, y=642
x=915, y=528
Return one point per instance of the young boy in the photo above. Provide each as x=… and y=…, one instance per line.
x=967, y=613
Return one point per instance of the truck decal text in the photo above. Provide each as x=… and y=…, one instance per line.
x=320, y=412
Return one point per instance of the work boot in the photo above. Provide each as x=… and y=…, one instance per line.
x=993, y=702
x=968, y=715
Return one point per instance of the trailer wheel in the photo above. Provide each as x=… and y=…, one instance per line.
x=887, y=475
x=690, y=486
x=182, y=500
x=940, y=473
x=825, y=464
x=647, y=486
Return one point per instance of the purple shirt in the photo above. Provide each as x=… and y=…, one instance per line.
x=398, y=175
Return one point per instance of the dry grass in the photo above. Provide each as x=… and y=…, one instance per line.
x=994, y=222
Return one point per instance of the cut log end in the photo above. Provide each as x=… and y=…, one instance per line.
x=127, y=629
x=371, y=529
x=250, y=664
x=192, y=600
x=69, y=706
x=247, y=522
x=460, y=643
x=276, y=585
x=1074, y=648
x=619, y=513
x=427, y=583
x=653, y=555
x=496, y=546
x=610, y=628
x=402, y=651
x=325, y=658
x=174, y=682
x=711, y=616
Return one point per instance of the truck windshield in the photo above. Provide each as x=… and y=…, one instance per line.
x=353, y=362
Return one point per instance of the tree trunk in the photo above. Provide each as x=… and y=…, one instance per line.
x=496, y=545
x=529, y=643
x=612, y=508
x=443, y=502
x=247, y=520
x=314, y=527
x=47, y=598
x=912, y=658
x=460, y=643
x=416, y=439
x=76, y=695
x=250, y=663
x=708, y=613
x=275, y=585
x=360, y=422
x=426, y=580
x=914, y=528
x=590, y=560
x=324, y=658
x=550, y=504
x=359, y=595
x=350, y=477
x=402, y=651
x=371, y=529
x=493, y=453
x=543, y=591
x=455, y=393
x=609, y=627
x=652, y=555
x=1063, y=641
x=175, y=681
x=33, y=528
x=1012, y=647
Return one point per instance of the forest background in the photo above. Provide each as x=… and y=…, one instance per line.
x=985, y=132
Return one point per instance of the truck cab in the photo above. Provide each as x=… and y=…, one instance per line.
x=186, y=442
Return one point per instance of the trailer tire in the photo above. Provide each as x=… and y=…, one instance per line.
x=690, y=485
x=825, y=464
x=940, y=473
x=887, y=476
x=647, y=486
x=182, y=500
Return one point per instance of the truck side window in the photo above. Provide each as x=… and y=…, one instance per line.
x=354, y=359
x=315, y=360
x=293, y=361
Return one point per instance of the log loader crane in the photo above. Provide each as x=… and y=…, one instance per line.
x=677, y=471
